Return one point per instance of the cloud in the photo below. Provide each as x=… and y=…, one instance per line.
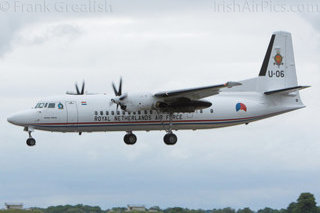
x=39, y=33
x=9, y=26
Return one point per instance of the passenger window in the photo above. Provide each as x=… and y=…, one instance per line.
x=211, y=110
x=118, y=112
x=51, y=105
x=95, y=112
x=129, y=113
x=139, y=112
x=101, y=112
x=134, y=113
x=112, y=112
x=201, y=111
x=123, y=112
x=107, y=112
x=151, y=112
x=145, y=112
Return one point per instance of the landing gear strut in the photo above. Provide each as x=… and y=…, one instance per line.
x=30, y=141
x=170, y=138
x=130, y=138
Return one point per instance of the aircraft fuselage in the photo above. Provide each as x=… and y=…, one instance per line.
x=93, y=113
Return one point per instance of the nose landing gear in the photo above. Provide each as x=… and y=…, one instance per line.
x=130, y=138
x=30, y=141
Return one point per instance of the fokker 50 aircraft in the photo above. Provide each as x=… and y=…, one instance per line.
x=273, y=92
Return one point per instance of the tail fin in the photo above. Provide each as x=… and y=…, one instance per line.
x=278, y=69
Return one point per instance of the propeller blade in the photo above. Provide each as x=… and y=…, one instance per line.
x=123, y=97
x=82, y=89
x=77, y=89
x=120, y=87
x=114, y=89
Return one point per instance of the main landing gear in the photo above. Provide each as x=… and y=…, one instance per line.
x=170, y=138
x=30, y=141
x=130, y=138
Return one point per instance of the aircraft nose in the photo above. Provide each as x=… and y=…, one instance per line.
x=12, y=119
x=21, y=118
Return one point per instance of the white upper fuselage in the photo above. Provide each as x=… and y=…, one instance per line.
x=90, y=113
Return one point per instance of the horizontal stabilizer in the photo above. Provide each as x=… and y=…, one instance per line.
x=285, y=90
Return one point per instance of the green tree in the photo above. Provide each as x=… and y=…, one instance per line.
x=268, y=210
x=306, y=203
x=291, y=207
x=245, y=210
x=225, y=210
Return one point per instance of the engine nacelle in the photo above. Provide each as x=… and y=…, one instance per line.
x=183, y=105
x=137, y=102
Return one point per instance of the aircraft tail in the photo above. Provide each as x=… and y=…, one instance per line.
x=278, y=70
x=277, y=75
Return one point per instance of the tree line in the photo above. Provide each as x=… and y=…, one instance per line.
x=306, y=203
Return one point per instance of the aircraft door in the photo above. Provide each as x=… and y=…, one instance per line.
x=72, y=114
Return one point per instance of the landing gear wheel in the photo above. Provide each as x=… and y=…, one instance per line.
x=31, y=142
x=130, y=139
x=170, y=139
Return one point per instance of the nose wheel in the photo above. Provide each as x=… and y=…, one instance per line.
x=130, y=138
x=30, y=141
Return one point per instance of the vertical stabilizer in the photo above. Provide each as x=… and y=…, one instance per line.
x=278, y=69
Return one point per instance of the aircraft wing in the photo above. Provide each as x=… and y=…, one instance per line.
x=196, y=93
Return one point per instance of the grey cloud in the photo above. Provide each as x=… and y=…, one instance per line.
x=9, y=26
x=65, y=31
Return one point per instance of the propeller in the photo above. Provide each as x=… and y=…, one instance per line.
x=119, y=97
x=78, y=91
x=82, y=88
x=119, y=91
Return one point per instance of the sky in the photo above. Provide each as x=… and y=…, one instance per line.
x=46, y=46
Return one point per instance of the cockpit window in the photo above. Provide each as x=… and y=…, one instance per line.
x=45, y=105
x=40, y=105
x=51, y=105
